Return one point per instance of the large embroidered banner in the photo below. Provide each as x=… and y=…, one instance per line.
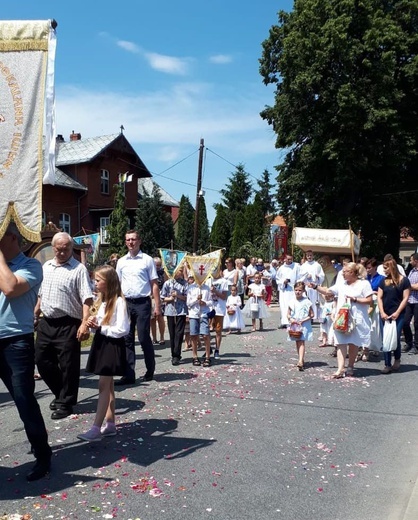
x=27, y=56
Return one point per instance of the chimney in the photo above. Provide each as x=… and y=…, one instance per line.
x=75, y=137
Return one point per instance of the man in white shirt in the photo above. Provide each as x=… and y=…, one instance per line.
x=139, y=279
x=386, y=259
x=286, y=277
x=311, y=272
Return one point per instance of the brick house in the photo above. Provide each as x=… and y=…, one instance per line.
x=81, y=200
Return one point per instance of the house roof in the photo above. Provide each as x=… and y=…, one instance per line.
x=83, y=150
x=145, y=186
x=65, y=181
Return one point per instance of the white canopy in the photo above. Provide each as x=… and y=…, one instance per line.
x=338, y=241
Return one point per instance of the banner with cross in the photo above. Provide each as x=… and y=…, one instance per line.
x=201, y=267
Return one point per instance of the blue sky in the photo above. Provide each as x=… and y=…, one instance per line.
x=171, y=73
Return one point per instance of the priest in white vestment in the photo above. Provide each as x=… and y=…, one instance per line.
x=286, y=277
x=311, y=272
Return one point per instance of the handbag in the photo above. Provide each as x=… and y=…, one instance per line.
x=231, y=311
x=343, y=320
x=390, y=336
x=295, y=330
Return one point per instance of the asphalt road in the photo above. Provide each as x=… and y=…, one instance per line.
x=249, y=438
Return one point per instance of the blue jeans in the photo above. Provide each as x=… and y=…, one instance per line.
x=17, y=365
x=387, y=356
x=140, y=315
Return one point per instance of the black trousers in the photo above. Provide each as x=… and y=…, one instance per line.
x=139, y=312
x=411, y=311
x=176, y=325
x=16, y=371
x=57, y=355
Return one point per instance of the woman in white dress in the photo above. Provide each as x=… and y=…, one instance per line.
x=359, y=294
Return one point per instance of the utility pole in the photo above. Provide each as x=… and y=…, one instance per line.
x=198, y=195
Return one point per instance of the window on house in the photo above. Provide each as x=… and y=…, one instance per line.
x=104, y=182
x=104, y=233
x=65, y=222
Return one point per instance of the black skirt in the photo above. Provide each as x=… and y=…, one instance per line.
x=107, y=356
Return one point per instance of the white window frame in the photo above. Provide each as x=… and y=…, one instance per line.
x=104, y=233
x=65, y=222
x=104, y=182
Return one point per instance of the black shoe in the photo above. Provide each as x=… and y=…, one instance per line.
x=147, y=377
x=61, y=413
x=53, y=405
x=39, y=470
x=124, y=381
x=175, y=361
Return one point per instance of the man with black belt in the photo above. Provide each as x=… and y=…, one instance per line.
x=20, y=279
x=138, y=278
x=64, y=300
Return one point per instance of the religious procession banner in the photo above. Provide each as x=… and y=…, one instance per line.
x=172, y=261
x=218, y=255
x=27, y=57
x=201, y=267
x=92, y=246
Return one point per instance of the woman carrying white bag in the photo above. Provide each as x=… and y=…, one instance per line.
x=392, y=297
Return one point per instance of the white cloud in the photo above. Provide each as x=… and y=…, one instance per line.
x=160, y=62
x=129, y=46
x=168, y=64
x=220, y=59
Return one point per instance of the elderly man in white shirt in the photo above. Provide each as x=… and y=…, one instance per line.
x=311, y=272
x=286, y=277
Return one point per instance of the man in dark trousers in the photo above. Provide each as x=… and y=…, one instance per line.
x=64, y=299
x=139, y=280
x=20, y=279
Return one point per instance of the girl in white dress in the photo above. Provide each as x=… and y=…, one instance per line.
x=233, y=319
x=256, y=295
x=300, y=313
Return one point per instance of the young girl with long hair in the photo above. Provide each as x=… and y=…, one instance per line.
x=107, y=356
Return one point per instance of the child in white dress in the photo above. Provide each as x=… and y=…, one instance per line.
x=326, y=328
x=233, y=319
x=300, y=314
x=256, y=307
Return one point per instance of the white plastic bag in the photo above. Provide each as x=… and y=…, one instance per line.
x=390, y=336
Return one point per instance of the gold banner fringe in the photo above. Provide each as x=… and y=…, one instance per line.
x=23, y=45
x=30, y=235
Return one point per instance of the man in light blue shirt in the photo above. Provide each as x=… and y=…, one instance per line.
x=20, y=279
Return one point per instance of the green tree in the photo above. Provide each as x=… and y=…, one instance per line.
x=266, y=198
x=235, y=197
x=346, y=99
x=185, y=225
x=118, y=223
x=250, y=228
x=203, y=235
x=153, y=223
x=220, y=232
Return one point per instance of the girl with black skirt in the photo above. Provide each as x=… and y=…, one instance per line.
x=107, y=356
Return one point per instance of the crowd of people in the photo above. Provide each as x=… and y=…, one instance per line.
x=133, y=298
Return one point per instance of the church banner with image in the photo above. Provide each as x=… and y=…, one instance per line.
x=172, y=261
x=201, y=267
x=27, y=55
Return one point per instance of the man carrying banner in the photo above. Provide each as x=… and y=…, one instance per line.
x=20, y=279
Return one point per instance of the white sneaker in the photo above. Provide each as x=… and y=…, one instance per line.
x=108, y=431
x=90, y=436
